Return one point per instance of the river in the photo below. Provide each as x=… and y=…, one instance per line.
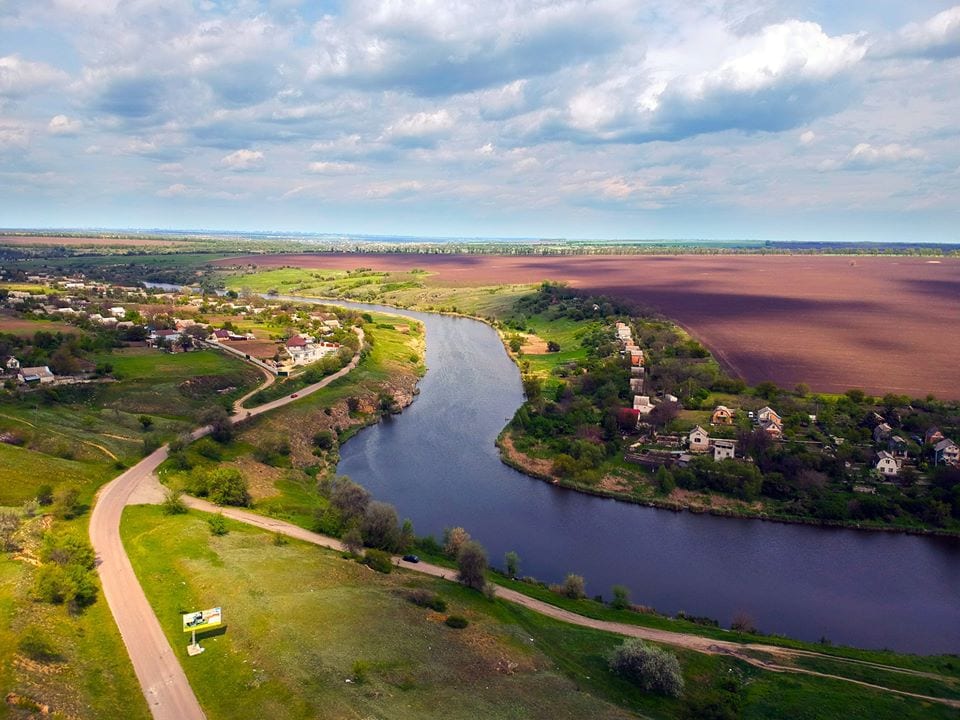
x=437, y=463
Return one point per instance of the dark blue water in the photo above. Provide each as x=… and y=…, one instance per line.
x=438, y=464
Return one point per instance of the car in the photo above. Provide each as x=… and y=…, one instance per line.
x=295, y=395
x=411, y=559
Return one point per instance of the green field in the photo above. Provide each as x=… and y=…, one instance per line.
x=91, y=677
x=301, y=620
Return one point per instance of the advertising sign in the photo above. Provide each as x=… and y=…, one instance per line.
x=202, y=620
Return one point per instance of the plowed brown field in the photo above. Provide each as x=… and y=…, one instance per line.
x=884, y=324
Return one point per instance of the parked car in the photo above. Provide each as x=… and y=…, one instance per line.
x=295, y=395
x=411, y=559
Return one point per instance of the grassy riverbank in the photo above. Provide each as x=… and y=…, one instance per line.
x=341, y=621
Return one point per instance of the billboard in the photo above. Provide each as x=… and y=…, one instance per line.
x=202, y=620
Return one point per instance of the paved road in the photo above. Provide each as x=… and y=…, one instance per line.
x=158, y=669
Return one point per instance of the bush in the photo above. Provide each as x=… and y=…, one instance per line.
x=208, y=449
x=173, y=502
x=71, y=584
x=380, y=526
x=573, y=587
x=650, y=667
x=9, y=524
x=226, y=486
x=37, y=646
x=457, y=622
x=426, y=598
x=218, y=524
x=453, y=540
x=67, y=549
x=66, y=503
x=324, y=440
x=378, y=560
x=45, y=494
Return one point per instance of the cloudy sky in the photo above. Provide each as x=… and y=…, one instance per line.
x=790, y=119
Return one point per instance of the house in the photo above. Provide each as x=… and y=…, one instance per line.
x=932, y=436
x=698, y=440
x=164, y=336
x=298, y=341
x=724, y=449
x=219, y=335
x=897, y=446
x=768, y=414
x=118, y=312
x=636, y=385
x=332, y=324
x=12, y=364
x=946, y=452
x=722, y=415
x=643, y=404
x=887, y=465
x=881, y=432
x=771, y=428
x=303, y=350
x=41, y=375
x=627, y=418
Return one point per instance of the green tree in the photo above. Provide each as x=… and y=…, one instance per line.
x=621, y=598
x=512, y=561
x=227, y=486
x=472, y=565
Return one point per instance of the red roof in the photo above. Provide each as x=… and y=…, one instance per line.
x=296, y=341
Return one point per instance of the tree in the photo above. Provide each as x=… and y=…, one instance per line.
x=348, y=498
x=665, y=481
x=221, y=426
x=621, y=598
x=663, y=414
x=512, y=561
x=146, y=422
x=453, y=540
x=472, y=565
x=45, y=494
x=353, y=540
x=553, y=346
x=380, y=526
x=574, y=587
x=650, y=667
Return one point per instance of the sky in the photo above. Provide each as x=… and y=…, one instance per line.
x=783, y=120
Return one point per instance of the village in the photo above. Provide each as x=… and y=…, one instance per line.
x=279, y=338
x=894, y=450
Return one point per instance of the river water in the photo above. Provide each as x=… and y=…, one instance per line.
x=437, y=463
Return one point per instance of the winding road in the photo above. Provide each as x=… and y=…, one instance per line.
x=158, y=669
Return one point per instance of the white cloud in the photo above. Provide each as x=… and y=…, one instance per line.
x=175, y=190
x=63, y=125
x=865, y=156
x=331, y=168
x=420, y=125
x=936, y=38
x=241, y=160
x=19, y=77
x=807, y=137
x=13, y=134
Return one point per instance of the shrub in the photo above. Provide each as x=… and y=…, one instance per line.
x=378, y=560
x=353, y=540
x=650, y=667
x=71, y=584
x=457, y=622
x=45, y=494
x=743, y=623
x=512, y=561
x=67, y=549
x=66, y=503
x=324, y=440
x=208, y=449
x=453, y=540
x=37, y=646
x=173, y=502
x=380, y=526
x=279, y=539
x=426, y=598
x=218, y=524
x=360, y=670
x=9, y=524
x=226, y=486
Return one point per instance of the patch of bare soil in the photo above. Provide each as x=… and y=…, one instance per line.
x=536, y=467
x=261, y=479
x=612, y=483
x=534, y=345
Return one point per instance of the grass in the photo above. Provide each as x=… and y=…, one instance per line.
x=91, y=678
x=302, y=622
x=174, y=385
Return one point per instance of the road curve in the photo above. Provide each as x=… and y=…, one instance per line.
x=158, y=670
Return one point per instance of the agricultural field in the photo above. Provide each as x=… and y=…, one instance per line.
x=26, y=327
x=309, y=633
x=831, y=322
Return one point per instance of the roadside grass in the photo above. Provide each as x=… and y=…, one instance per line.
x=310, y=634
x=90, y=679
x=22, y=471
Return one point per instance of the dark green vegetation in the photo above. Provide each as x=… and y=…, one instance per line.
x=576, y=427
x=339, y=622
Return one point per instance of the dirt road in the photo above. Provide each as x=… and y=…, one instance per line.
x=157, y=667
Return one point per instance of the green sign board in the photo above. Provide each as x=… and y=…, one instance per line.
x=202, y=620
